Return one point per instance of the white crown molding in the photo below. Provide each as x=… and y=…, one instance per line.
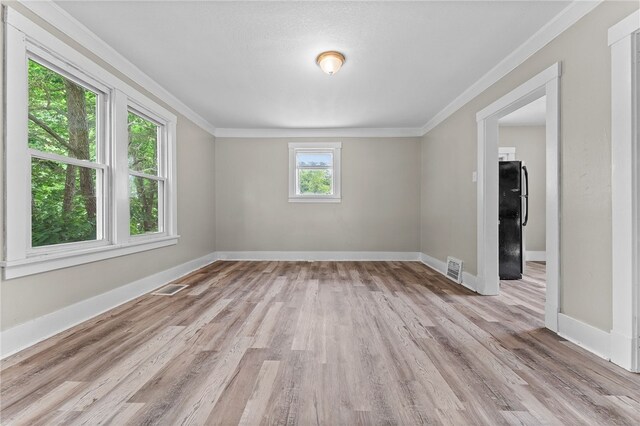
x=624, y=28
x=320, y=133
x=59, y=18
x=561, y=22
x=31, y=332
x=64, y=22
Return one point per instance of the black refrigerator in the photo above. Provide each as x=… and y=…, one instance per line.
x=513, y=214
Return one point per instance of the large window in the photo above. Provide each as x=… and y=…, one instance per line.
x=67, y=167
x=90, y=161
x=314, y=172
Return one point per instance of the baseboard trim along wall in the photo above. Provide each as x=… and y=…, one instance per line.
x=29, y=333
x=468, y=280
x=320, y=255
x=622, y=351
x=535, y=256
x=584, y=335
x=592, y=339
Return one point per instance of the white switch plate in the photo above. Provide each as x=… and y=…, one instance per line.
x=474, y=177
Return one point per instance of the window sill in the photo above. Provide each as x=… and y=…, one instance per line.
x=314, y=200
x=59, y=260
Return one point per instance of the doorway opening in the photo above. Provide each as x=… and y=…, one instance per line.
x=544, y=85
x=522, y=205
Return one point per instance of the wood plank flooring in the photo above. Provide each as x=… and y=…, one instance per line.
x=528, y=292
x=334, y=343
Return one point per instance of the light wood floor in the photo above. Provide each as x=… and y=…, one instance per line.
x=318, y=343
x=529, y=292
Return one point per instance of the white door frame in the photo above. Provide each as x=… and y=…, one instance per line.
x=545, y=83
x=625, y=187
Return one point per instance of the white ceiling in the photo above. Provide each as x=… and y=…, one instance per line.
x=532, y=114
x=252, y=64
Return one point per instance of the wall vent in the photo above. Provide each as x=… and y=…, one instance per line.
x=454, y=269
x=169, y=290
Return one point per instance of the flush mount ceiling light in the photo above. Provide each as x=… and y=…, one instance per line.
x=330, y=62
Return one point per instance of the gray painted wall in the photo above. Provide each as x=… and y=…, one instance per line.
x=379, y=209
x=404, y=194
x=23, y=299
x=450, y=150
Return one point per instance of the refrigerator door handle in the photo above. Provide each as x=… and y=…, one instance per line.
x=526, y=195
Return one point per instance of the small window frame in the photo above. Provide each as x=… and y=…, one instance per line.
x=333, y=148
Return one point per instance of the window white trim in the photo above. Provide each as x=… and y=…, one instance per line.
x=625, y=188
x=167, y=215
x=24, y=39
x=335, y=148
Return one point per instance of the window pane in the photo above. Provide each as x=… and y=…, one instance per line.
x=143, y=205
x=306, y=159
x=143, y=145
x=63, y=204
x=312, y=181
x=62, y=115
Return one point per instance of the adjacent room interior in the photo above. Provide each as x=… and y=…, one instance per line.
x=262, y=212
x=522, y=205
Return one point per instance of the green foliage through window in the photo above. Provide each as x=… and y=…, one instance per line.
x=62, y=121
x=143, y=192
x=59, y=213
x=143, y=205
x=314, y=181
x=143, y=145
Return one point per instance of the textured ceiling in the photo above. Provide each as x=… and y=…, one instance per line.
x=252, y=64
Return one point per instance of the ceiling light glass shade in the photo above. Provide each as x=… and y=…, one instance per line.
x=330, y=62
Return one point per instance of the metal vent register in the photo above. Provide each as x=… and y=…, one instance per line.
x=169, y=290
x=454, y=269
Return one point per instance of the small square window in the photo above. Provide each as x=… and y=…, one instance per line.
x=314, y=172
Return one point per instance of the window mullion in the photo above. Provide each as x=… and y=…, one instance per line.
x=120, y=169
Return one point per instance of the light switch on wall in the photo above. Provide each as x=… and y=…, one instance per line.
x=474, y=177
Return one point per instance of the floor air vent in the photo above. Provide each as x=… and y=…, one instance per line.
x=169, y=290
x=454, y=269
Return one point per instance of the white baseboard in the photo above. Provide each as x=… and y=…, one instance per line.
x=468, y=280
x=29, y=333
x=319, y=255
x=623, y=351
x=535, y=256
x=584, y=335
